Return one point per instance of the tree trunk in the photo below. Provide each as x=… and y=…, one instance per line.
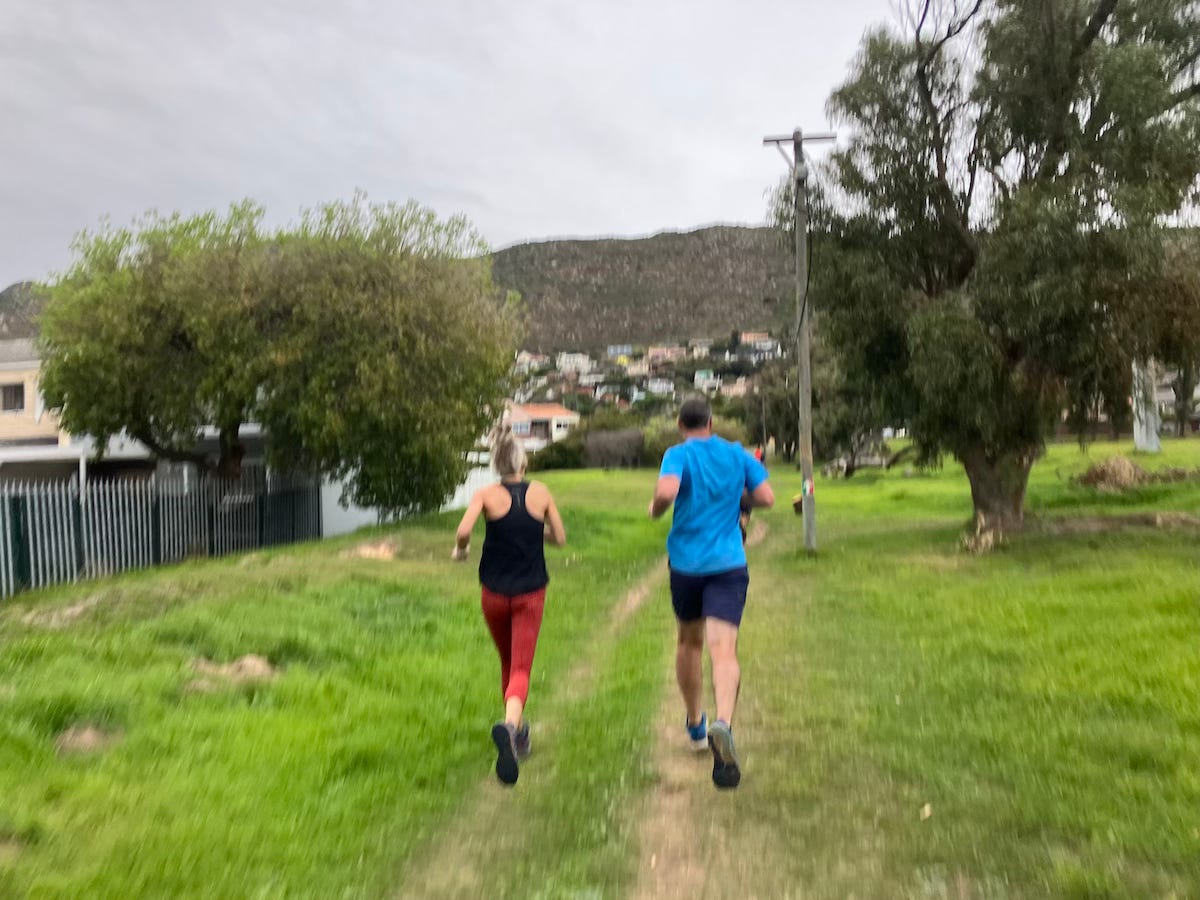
x=1184, y=387
x=998, y=491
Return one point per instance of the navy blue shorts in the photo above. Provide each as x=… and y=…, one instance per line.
x=718, y=596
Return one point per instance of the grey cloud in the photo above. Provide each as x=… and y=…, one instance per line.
x=535, y=119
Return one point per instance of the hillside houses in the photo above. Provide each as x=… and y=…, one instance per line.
x=621, y=374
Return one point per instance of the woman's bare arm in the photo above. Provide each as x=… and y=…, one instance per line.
x=462, y=539
x=555, y=532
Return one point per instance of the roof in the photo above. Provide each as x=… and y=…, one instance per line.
x=18, y=350
x=541, y=411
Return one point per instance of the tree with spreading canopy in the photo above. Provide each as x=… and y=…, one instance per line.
x=997, y=225
x=368, y=342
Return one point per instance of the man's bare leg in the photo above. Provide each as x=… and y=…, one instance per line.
x=689, y=667
x=726, y=674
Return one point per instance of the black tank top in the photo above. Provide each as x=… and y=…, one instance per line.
x=513, y=559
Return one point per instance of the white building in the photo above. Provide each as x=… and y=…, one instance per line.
x=638, y=368
x=737, y=388
x=662, y=387
x=527, y=362
x=706, y=381
x=539, y=424
x=574, y=363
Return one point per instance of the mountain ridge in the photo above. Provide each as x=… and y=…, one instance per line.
x=585, y=293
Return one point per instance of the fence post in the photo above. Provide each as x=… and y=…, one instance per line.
x=77, y=536
x=22, y=571
x=210, y=494
x=156, y=541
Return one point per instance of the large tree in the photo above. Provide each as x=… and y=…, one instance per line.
x=998, y=214
x=1174, y=335
x=367, y=341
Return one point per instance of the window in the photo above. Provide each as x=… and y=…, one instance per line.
x=521, y=429
x=12, y=398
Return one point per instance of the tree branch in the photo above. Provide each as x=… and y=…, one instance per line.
x=170, y=453
x=1091, y=31
x=944, y=194
x=1183, y=95
x=1056, y=143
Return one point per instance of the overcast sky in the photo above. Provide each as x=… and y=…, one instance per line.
x=535, y=118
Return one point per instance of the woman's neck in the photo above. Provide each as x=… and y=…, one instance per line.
x=513, y=479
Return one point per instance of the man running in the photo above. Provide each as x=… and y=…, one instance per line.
x=711, y=482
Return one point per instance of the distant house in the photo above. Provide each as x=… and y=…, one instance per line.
x=540, y=424
x=706, y=381
x=637, y=368
x=527, y=362
x=736, y=388
x=616, y=351
x=661, y=387
x=753, y=337
x=24, y=419
x=574, y=363
x=664, y=354
x=700, y=348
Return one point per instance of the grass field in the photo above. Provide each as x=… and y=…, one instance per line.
x=915, y=722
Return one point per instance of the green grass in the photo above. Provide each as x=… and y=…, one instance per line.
x=1043, y=700
x=321, y=783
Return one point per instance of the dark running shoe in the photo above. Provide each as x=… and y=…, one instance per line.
x=521, y=741
x=504, y=736
x=726, y=773
x=698, y=733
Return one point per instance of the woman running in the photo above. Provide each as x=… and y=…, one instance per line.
x=520, y=516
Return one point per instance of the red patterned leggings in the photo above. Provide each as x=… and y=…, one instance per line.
x=514, y=623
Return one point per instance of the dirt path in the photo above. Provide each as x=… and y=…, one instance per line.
x=678, y=833
x=479, y=832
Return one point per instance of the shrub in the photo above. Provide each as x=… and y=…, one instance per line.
x=564, y=454
x=662, y=433
x=614, y=449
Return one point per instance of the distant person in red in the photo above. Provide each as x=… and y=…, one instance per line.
x=520, y=517
x=760, y=454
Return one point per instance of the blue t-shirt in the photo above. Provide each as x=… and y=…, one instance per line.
x=705, y=535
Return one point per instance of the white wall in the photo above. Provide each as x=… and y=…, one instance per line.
x=336, y=519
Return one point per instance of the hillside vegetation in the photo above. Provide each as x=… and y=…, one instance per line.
x=671, y=286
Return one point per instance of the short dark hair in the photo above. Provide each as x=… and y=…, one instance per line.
x=695, y=413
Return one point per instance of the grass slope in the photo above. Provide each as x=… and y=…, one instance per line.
x=1042, y=703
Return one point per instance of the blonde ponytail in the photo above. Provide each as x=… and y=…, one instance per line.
x=508, y=453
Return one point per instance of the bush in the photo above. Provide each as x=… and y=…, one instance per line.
x=614, y=449
x=564, y=454
x=662, y=433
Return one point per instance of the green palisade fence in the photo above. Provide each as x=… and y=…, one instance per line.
x=56, y=532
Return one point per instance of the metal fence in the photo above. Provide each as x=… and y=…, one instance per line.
x=56, y=532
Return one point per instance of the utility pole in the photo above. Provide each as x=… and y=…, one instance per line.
x=803, y=336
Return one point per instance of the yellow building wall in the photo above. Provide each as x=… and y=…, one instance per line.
x=25, y=425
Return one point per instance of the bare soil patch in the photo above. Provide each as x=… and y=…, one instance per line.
x=451, y=867
x=10, y=849
x=84, y=739
x=633, y=600
x=1164, y=521
x=1120, y=473
x=674, y=861
x=213, y=677
x=61, y=616
x=385, y=549
x=672, y=864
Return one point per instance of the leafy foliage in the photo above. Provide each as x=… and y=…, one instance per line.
x=368, y=341
x=993, y=236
